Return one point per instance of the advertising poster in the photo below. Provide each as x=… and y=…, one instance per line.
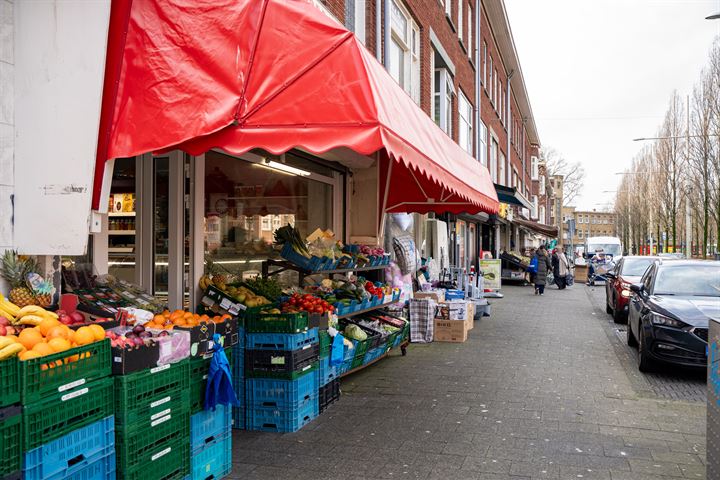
x=491, y=270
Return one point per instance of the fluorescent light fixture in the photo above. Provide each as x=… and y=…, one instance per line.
x=281, y=167
x=714, y=16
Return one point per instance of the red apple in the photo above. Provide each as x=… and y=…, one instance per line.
x=10, y=330
x=65, y=319
x=77, y=317
x=3, y=331
x=4, y=321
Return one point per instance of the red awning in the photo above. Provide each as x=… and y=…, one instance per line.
x=275, y=75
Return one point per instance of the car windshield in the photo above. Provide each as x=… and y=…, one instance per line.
x=607, y=248
x=688, y=280
x=635, y=267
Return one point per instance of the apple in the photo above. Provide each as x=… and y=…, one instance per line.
x=10, y=330
x=65, y=319
x=4, y=321
x=77, y=317
x=3, y=331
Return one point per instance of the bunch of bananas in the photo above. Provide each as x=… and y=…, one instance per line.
x=9, y=348
x=28, y=315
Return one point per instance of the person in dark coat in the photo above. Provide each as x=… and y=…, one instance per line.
x=555, y=263
x=544, y=265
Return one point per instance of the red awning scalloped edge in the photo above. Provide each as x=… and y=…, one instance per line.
x=275, y=75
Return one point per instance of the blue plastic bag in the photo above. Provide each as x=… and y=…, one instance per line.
x=532, y=268
x=219, y=388
x=337, y=350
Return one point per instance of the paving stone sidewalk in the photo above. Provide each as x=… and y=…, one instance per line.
x=539, y=391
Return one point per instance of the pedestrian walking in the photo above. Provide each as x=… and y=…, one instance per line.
x=561, y=277
x=543, y=266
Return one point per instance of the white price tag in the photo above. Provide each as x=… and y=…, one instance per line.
x=157, y=403
x=160, y=368
x=76, y=393
x=71, y=385
x=161, y=453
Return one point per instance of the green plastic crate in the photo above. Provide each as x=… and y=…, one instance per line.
x=325, y=341
x=38, y=381
x=282, y=375
x=10, y=440
x=276, y=322
x=60, y=413
x=172, y=464
x=9, y=382
x=199, y=367
x=148, y=448
x=138, y=393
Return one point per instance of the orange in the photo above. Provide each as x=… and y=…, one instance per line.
x=29, y=337
x=84, y=336
x=58, y=331
x=47, y=324
x=98, y=331
x=70, y=335
x=43, y=349
x=158, y=319
x=28, y=355
x=59, y=344
x=188, y=315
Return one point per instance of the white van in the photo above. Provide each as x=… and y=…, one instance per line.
x=610, y=246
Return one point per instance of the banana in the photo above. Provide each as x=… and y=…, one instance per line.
x=49, y=314
x=10, y=351
x=29, y=310
x=9, y=307
x=31, y=320
x=7, y=314
x=5, y=341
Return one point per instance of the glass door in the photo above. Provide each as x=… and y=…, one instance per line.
x=161, y=228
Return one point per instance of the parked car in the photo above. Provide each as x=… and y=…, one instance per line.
x=672, y=256
x=628, y=270
x=670, y=311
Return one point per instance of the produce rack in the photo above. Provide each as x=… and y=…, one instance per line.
x=511, y=264
x=285, y=265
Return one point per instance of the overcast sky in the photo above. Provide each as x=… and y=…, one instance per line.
x=600, y=73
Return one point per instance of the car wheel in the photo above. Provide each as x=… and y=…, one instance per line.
x=644, y=362
x=608, y=308
x=618, y=316
x=631, y=341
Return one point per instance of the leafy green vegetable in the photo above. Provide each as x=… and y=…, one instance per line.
x=355, y=332
x=267, y=287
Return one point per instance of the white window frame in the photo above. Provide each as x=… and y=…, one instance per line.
x=360, y=11
x=542, y=214
x=502, y=167
x=483, y=147
x=446, y=91
x=465, y=123
x=471, y=46
x=460, y=19
x=542, y=185
x=448, y=7
x=534, y=210
x=484, y=66
x=409, y=44
x=494, y=146
x=534, y=168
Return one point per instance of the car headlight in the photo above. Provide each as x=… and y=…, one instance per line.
x=658, y=319
x=626, y=293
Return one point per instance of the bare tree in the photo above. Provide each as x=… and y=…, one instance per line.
x=573, y=173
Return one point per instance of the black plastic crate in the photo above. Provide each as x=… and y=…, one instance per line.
x=258, y=362
x=329, y=394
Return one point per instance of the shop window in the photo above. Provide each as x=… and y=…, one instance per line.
x=483, y=144
x=247, y=200
x=493, y=160
x=465, y=123
x=542, y=213
x=404, y=59
x=443, y=97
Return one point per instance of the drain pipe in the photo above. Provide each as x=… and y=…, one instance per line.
x=386, y=26
x=508, y=126
x=378, y=29
x=478, y=76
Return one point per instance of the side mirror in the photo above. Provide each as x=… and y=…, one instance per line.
x=637, y=287
x=610, y=275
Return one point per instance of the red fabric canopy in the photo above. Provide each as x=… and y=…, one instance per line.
x=273, y=74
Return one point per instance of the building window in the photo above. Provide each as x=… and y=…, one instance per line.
x=443, y=92
x=465, y=123
x=495, y=89
x=482, y=148
x=471, y=47
x=542, y=214
x=448, y=7
x=484, y=65
x=516, y=179
x=493, y=160
x=404, y=59
x=533, y=168
x=580, y=234
x=542, y=185
x=501, y=169
x=460, y=19
x=534, y=207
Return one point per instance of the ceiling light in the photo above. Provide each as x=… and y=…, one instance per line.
x=277, y=166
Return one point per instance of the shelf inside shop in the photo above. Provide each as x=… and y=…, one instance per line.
x=365, y=310
x=121, y=249
x=121, y=232
x=286, y=265
x=121, y=214
x=269, y=197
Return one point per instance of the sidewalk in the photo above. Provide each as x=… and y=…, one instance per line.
x=537, y=392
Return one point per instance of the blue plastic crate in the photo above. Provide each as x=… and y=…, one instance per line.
x=327, y=373
x=71, y=454
x=282, y=341
x=238, y=417
x=398, y=340
x=241, y=338
x=214, y=461
x=283, y=394
x=99, y=467
x=277, y=420
x=209, y=425
x=375, y=353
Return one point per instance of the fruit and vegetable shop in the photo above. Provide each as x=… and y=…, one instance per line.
x=239, y=264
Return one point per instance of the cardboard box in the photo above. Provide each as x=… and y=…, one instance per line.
x=470, y=320
x=450, y=330
x=437, y=295
x=455, y=310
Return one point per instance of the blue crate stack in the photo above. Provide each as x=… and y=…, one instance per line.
x=85, y=453
x=328, y=386
x=238, y=371
x=274, y=403
x=211, y=443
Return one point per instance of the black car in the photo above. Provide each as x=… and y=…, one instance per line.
x=670, y=312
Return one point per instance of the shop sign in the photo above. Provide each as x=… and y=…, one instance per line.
x=491, y=273
x=503, y=210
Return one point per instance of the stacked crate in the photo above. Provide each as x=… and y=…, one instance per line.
x=67, y=408
x=152, y=422
x=238, y=373
x=329, y=376
x=281, y=366
x=211, y=443
x=10, y=420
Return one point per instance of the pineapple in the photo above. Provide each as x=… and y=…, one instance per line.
x=15, y=269
x=42, y=289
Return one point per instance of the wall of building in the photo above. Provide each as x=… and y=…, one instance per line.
x=7, y=122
